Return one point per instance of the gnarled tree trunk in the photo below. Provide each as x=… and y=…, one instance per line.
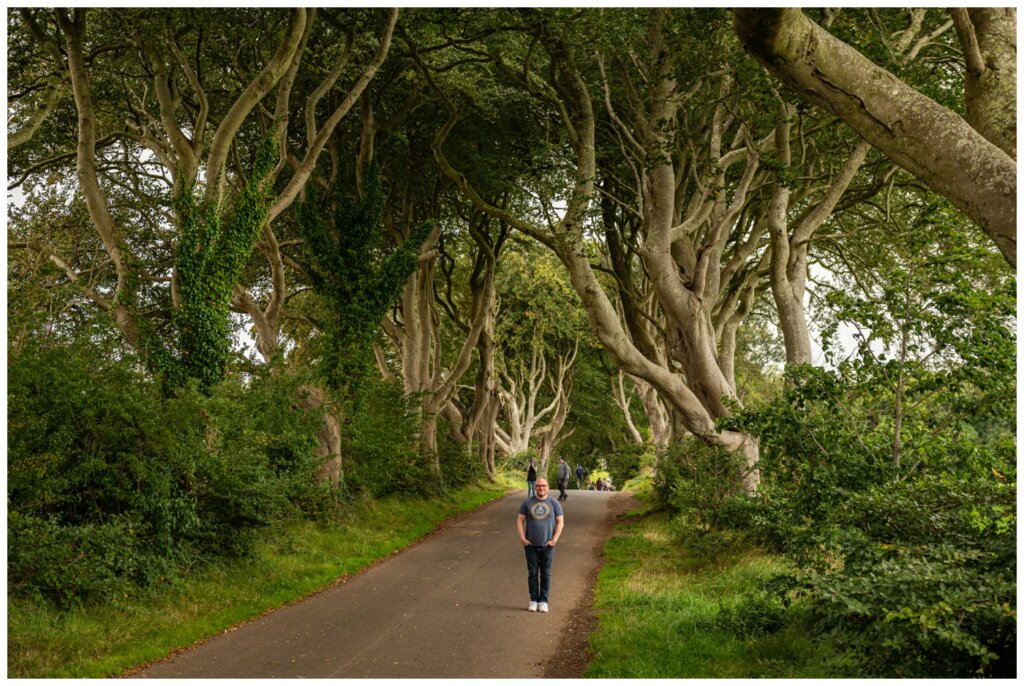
x=928, y=140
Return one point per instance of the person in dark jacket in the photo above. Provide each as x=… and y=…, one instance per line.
x=531, y=480
x=563, y=478
x=579, y=475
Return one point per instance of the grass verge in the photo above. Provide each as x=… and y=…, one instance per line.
x=291, y=563
x=669, y=611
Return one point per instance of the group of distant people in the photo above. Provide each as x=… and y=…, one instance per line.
x=562, y=479
x=540, y=523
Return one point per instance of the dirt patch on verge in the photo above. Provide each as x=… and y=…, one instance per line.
x=574, y=652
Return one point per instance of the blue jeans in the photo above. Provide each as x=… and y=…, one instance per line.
x=538, y=565
x=531, y=489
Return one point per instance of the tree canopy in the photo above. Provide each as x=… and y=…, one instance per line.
x=431, y=243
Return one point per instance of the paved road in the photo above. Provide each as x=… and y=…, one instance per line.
x=453, y=605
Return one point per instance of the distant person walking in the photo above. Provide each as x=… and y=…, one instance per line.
x=539, y=524
x=563, y=478
x=531, y=481
x=579, y=475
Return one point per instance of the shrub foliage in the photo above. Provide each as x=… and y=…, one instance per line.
x=112, y=483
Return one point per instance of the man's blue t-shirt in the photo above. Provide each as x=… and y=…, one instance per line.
x=540, y=519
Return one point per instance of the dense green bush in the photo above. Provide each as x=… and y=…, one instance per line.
x=258, y=462
x=97, y=475
x=112, y=483
x=906, y=571
x=926, y=583
x=829, y=437
x=68, y=563
x=457, y=466
x=378, y=443
x=696, y=480
x=903, y=543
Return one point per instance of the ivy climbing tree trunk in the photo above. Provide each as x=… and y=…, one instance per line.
x=213, y=251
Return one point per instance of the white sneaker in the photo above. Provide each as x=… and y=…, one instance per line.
x=533, y=607
x=543, y=607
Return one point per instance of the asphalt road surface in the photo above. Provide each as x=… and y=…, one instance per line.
x=452, y=605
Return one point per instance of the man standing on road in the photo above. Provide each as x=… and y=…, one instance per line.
x=579, y=476
x=563, y=478
x=539, y=524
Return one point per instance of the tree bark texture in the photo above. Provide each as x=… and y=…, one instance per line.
x=418, y=340
x=623, y=401
x=988, y=36
x=923, y=137
x=110, y=233
x=790, y=247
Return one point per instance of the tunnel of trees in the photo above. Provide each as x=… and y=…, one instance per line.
x=263, y=262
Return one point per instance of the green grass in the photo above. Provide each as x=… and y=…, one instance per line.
x=659, y=606
x=298, y=559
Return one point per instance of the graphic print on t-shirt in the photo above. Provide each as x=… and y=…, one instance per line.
x=540, y=510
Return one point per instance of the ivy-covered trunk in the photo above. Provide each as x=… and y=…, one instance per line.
x=214, y=248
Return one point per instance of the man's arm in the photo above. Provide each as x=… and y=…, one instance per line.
x=521, y=528
x=559, y=523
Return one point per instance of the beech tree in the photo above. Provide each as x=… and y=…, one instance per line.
x=701, y=393
x=679, y=198
x=198, y=120
x=476, y=421
x=193, y=118
x=541, y=325
x=429, y=377
x=975, y=169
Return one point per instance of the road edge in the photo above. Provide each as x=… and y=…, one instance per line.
x=574, y=652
